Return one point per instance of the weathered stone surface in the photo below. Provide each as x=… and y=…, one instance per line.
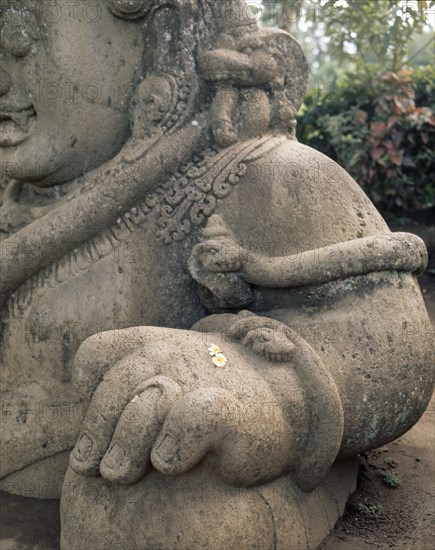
x=202, y=512
x=160, y=184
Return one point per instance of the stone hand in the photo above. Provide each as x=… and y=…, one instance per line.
x=219, y=255
x=166, y=402
x=265, y=336
x=215, y=264
x=294, y=369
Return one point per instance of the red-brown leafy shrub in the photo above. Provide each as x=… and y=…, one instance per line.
x=385, y=138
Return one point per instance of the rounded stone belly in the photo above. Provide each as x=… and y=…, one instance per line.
x=374, y=335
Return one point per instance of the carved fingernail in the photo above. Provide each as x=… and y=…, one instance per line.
x=114, y=457
x=167, y=449
x=83, y=449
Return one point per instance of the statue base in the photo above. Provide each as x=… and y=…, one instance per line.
x=198, y=511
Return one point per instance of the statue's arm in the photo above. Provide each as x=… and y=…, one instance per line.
x=271, y=408
x=384, y=252
x=365, y=287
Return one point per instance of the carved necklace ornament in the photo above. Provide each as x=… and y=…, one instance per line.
x=164, y=125
x=181, y=204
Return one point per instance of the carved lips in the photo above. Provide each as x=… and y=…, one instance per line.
x=16, y=125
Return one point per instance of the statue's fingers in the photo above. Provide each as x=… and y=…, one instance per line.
x=194, y=426
x=105, y=408
x=243, y=445
x=93, y=359
x=205, y=248
x=249, y=322
x=219, y=255
x=258, y=335
x=204, y=257
x=128, y=455
x=243, y=326
x=100, y=352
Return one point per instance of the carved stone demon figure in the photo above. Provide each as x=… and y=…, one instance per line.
x=206, y=319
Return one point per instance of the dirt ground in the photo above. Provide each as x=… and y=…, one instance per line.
x=393, y=506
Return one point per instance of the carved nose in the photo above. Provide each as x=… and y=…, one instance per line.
x=5, y=82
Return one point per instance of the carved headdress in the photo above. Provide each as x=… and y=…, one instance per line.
x=212, y=56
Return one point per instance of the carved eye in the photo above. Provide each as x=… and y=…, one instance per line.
x=130, y=8
x=212, y=250
x=18, y=33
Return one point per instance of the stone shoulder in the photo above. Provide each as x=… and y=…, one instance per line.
x=294, y=194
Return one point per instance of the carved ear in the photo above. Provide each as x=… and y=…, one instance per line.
x=289, y=85
x=262, y=61
x=169, y=55
x=154, y=106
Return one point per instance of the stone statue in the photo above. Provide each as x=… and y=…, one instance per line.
x=206, y=320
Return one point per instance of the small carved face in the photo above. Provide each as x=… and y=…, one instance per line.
x=68, y=70
x=151, y=103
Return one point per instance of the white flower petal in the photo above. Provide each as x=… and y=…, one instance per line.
x=219, y=360
x=213, y=349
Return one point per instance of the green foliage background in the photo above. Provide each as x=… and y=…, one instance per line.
x=385, y=138
x=371, y=99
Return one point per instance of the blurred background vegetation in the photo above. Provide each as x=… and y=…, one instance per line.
x=371, y=99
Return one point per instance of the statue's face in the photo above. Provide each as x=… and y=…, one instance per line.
x=67, y=71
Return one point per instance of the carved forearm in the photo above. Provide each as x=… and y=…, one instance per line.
x=390, y=252
x=119, y=184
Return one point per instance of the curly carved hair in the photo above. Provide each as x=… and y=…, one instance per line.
x=249, y=80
